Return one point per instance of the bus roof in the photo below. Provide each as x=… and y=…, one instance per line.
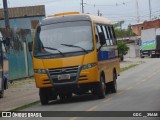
x=74, y=16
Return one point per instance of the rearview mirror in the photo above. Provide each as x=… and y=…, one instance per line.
x=102, y=38
x=30, y=44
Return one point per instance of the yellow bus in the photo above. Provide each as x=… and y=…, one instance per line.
x=74, y=53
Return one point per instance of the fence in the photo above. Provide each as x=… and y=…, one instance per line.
x=20, y=61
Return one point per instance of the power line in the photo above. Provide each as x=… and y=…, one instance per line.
x=109, y=5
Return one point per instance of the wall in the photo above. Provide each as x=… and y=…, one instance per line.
x=133, y=51
x=145, y=25
x=152, y=24
x=20, y=62
x=137, y=29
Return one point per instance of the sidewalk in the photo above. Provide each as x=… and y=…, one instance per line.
x=23, y=92
x=18, y=94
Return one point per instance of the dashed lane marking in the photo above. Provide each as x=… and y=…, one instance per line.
x=92, y=108
x=129, y=88
x=108, y=99
x=73, y=118
x=120, y=93
x=144, y=80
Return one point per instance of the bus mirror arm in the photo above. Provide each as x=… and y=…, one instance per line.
x=30, y=44
x=99, y=48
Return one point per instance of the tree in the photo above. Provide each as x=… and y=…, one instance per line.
x=123, y=49
x=120, y=33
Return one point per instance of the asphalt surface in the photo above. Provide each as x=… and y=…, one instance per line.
x=138, y=90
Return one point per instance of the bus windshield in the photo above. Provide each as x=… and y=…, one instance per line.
x=63, y=38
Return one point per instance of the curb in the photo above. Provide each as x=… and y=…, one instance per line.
x=21, y=107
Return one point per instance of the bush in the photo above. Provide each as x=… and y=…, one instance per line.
x=123, y=49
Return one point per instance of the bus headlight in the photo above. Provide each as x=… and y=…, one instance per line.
x=84, y=67
x=40, y=71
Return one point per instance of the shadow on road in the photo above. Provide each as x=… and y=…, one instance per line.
x=77, y=98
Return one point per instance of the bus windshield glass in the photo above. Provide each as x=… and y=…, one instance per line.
x=63, y=38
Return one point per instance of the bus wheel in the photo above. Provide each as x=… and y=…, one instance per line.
x=113, y=84
x=44, y=98
x=69, y=96
x=62, y=96
x=101, y=89
x=1, y=93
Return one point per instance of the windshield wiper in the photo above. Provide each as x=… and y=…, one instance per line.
x=75, y=47
x=50, y=48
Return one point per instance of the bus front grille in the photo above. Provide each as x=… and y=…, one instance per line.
x=72, y=71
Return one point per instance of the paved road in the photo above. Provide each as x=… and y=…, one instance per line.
x=138, y=90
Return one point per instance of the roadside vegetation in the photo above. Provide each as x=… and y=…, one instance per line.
x=128, y=67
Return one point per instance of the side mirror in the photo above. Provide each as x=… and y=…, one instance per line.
x=30, y=44
x=102, y=38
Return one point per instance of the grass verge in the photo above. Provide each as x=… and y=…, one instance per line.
x=128, y=67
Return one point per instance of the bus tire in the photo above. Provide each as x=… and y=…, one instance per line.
x=44, y=98
x=113, y=84
x=1, y=94
x=69, y=96
x=101, y=88
x=62, y=96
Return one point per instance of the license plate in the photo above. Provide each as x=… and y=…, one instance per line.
x=64, y=77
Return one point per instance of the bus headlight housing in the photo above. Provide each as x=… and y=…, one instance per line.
x=40, y=71
x=84, y=67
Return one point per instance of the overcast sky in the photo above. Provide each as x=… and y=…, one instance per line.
x=116, y=10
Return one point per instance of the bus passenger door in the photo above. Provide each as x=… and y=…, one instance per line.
x=102, y=54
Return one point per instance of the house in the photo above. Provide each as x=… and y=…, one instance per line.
x=23, y=17
x=23, y=21
x=136, y=28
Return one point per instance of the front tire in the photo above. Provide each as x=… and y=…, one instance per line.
x=101, y=88
x=113, y=84
x=44, y=98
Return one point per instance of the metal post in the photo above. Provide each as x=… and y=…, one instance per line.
x=150, y=10
x=98, y=13
x=82, y=6
x=137, y=4
x=5, y=12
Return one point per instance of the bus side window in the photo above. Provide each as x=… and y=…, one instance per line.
x=100, y=31
x=106, y=36
x=113, y=35
x=97, y=28
x=110, y=34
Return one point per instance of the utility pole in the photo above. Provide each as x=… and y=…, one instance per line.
x=5, y=12
x=138, y=19
x=98, y=13
x=82, y=6
x=150, y=10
